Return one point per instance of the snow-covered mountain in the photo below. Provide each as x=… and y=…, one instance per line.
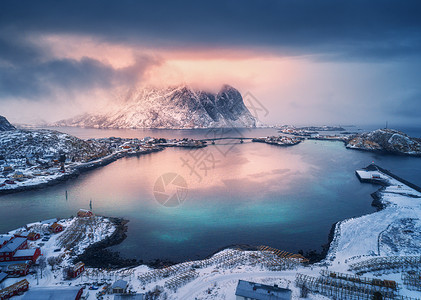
x=5, y=125
x=387, y=140
x=172, y=107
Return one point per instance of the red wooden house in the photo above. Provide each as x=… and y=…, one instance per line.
x=27, y=254
x=15, y=268
x=32, y=236
x=14, y=289
x=5, y=238
x=56, y=227
x=84, y=213
x=76, y=270
x=8, y=250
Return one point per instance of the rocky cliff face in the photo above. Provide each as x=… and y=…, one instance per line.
x=387, y=140
x=5, y=125
x=174, y=107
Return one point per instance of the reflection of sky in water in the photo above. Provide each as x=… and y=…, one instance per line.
x=257, y=194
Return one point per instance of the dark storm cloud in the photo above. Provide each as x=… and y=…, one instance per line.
x=360, y=28
x=28, y=71
x=334, y=30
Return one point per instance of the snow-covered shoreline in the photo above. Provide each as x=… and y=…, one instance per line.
x=55, y=162
x=389, y=233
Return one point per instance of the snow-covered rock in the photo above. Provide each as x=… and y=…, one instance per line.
x=387, y=140
x=5, y=125
x=173, y=107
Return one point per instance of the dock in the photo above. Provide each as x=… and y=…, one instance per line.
x=376, y=174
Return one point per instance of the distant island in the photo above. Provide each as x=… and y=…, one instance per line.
x=381, y=140
x=385, y=140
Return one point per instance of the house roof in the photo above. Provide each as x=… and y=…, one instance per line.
x=55, y=225
x=25, y=252
x=261, y=291
x=26, y=233
x=12, y=263
x=13, y=244
x=51, y=293
x=23, y=233
x=119, y=284
x=5, y=238
x=50, y=221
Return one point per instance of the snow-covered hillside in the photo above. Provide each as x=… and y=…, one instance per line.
x=5, y=125
x=387, y=140
x=173, y=107
x=40, y=144
x=36, y=158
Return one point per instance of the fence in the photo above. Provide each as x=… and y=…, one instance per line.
x=393, y=263
x=351, y=289
x=412, y=280
x=270, y=258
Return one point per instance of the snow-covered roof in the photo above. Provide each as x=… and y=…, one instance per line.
x=13, y=262
x=51, y=293
x=13, y=244
x=50, y=221
x=22, y=234
x=119, y=284
x=364, y=174
x=260, y=291
x=5, y=238
x=25, y=252
x=4, y=275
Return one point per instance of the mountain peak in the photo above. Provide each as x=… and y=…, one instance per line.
x=5, y=124
x=173, y=107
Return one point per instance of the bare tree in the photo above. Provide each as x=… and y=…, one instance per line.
x=54, y=260
x=42, y=263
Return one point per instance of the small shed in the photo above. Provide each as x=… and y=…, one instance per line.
x=119, y=287
x=56, y=227
x=247, y=290
x=76, y=270
x=82, y=213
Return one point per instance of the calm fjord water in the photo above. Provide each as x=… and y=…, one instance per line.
x=284, y=197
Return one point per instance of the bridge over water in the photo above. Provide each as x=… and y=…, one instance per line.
x=241, y=139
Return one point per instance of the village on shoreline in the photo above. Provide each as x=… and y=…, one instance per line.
x=375, y=254
x=37, y=169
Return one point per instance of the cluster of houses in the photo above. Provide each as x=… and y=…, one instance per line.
x=298, y=131
x=16, y=256
x=11, y=177
x=279, y=140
